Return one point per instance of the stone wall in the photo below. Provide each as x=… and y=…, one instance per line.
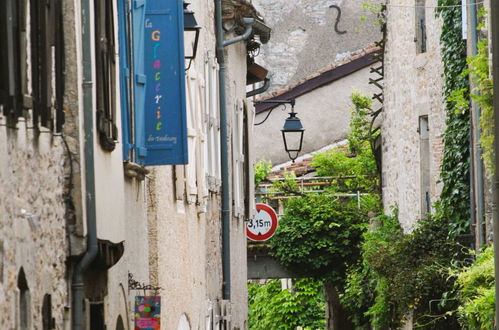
x=413, y=88
x=304, y=39
x=32, y=223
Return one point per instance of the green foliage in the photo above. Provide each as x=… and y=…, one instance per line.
x=401, y=273
x=273, y=308
x=483, y=95
x=476, y=292
x=262, y=170
x=288, y=185
x=372, y=11
x=319, y=236
x=453, y=205
x=358, y=159
x=359, y=122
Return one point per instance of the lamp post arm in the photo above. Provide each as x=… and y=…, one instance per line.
x=267, y=116
x=278, y=102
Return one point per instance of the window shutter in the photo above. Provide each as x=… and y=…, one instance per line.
x=139, y=78
x=192, y=141
x=125, y=79
x=238, y=159
x=249, y=186
x=179, y=183
x=212, y=124
x=200, y=147
x=105, y=74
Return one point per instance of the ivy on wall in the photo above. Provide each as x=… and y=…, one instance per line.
x=455, y=168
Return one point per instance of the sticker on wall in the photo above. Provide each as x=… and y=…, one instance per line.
x=147, y=312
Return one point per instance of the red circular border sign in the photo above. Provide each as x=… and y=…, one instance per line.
x=273, y=227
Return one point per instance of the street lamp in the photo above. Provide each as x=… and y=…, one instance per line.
x=292, y=132
x=191, y=35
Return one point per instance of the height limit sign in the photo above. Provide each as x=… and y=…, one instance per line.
x=263, y=225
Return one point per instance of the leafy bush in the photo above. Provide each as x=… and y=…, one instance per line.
x=357, y=160
x=476, y=292
x=400, y=273
x=262, y=170
x=319, y=235
x=273, y=308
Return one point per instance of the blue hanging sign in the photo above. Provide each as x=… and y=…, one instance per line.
x=161, y=132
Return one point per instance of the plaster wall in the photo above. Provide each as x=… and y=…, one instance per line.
x=413, y=88
x=120, y=201
x=324, y=113
x=33, y=228
x=108, y=165
x=185, y=256
x=304, y=39
x=236, y=93
x=135, y=261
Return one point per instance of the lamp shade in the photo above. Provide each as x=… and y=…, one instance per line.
x=191, y=33
x=292, y=134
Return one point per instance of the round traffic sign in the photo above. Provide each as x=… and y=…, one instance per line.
x=263, y=225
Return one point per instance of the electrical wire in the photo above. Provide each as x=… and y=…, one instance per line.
x=447, y=6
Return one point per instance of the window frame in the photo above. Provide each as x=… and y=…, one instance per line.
x=105, y=67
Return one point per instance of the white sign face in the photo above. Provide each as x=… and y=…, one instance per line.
x=263, y=225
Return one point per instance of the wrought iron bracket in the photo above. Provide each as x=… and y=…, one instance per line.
x=136, y=285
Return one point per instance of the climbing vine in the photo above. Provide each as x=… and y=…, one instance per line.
x=407, y=273
x=455, y=168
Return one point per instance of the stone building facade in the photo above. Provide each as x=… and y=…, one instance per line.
x=413, y=118
x=65, y=174
x=309, y=35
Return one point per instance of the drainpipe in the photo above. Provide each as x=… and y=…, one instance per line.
x=92, y=248
x=475, y=129
x=266, y=85
x=224, y=141
x=494, y=30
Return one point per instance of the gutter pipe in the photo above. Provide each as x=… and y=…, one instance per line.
x=475, y=129
x=224, y=141
x=266, y=85
x=494, y=30
x=92, y=247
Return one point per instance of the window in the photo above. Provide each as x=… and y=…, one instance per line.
x=424, y=161
x=195, y=170
x=24, y=309
x=11, y=27
x=97, y=316
x=105, y=71
x=45, y=42
x=238, y=159
x=47, y=320
x=119, y=323
x=212, y=122
x=2, y=255
x=420, y=37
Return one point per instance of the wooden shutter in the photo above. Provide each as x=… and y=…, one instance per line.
x=238, y=159
x=249, y=183
x=212, y=122
x=192, y=139
x=105, y=72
